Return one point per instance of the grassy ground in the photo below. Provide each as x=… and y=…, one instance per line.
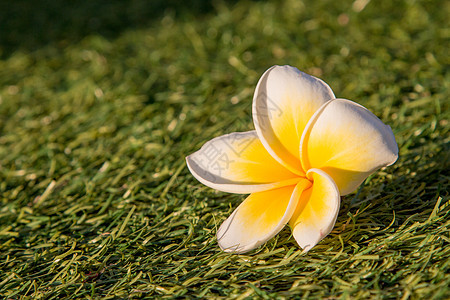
x=101, y=102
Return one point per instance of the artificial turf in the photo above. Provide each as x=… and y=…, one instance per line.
x=100, y=102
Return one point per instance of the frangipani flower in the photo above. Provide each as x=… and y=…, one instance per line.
x=308, y=149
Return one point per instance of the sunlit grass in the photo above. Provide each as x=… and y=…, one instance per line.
x=96, y=201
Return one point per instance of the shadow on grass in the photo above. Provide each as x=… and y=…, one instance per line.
x=30, y=25
x=419, y=180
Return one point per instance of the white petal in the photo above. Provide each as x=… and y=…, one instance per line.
x=238, y=163
x=316, y=213
x=348, y=142
x=284, y=101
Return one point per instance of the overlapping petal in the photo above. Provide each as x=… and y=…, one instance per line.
x=317, y=210
x=238, y=163
x=284, y=101
x=259, y=218
x=348, y=142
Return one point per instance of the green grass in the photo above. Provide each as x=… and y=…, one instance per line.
x=100, y=103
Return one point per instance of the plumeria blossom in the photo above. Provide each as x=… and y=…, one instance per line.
x=308, y=148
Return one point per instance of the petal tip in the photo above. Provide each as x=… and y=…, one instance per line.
x=187, y=159
x=392, y=146
x=235, y=248
x=306, y=248
x=394, y=158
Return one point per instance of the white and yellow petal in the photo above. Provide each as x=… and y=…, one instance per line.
x=284, y=101
x=317, y=210
x=238, y=163
x=348, y=142
x=261, y=216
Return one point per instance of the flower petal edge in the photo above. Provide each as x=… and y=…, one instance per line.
x=238, y=163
